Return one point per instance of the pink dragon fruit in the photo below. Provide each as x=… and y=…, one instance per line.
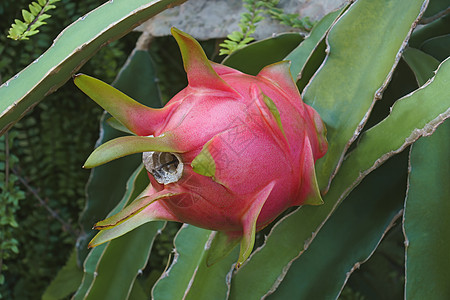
x=228, y=153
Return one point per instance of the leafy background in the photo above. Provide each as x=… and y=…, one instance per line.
x=50, y=145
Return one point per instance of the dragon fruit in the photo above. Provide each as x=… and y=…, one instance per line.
x=228, y=153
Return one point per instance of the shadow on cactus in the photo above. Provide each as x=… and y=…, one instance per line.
x=228, y=153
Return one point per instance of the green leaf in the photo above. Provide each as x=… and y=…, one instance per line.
x=138, y=292
x=118, y=126
x=43, y=17
x=221, y=245
x=426, y=223
x=356, y=71
x=32, y=32
x=66, y=281
x=33, y=19
x=252, y=58
x=235, y=36
x=358, y=225
x=422, y=64
x=300, y=55
x=217, y=276
x=189, y=246
x=189, y=277
x=439, y=27
x=435, y=7
x=121, y=262
x=27, y=16
x=439, y=47
x=247, y=40
x=35, y=8
x=20, y=24
x=93, y=258
x=312, y=65
x=49, y=7
x=127, y=145
x=122, y=259
x=297, y=230
x=415, y=115
x=142, y=87
x=383, y=275
x=402, y=83
x=89, y=268
x=74, y=46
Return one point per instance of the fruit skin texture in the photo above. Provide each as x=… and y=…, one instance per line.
x=238, y=150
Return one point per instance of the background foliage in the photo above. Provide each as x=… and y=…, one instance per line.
x=50, y=145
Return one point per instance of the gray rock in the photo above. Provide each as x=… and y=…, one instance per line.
x=207, y=19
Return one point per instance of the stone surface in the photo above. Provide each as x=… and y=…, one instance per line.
x=207, y=19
